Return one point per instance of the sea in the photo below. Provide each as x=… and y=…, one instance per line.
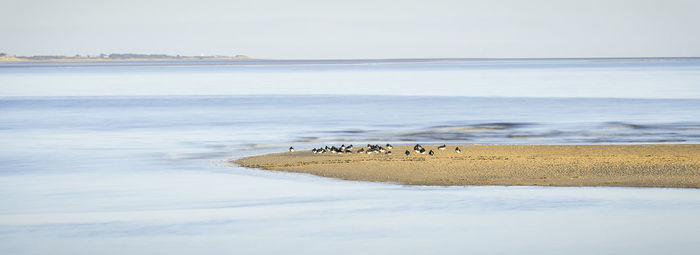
x=135, y=157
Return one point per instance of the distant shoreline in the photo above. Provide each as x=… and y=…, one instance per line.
x=146, y=57
x=658, y=165
x=118, y=58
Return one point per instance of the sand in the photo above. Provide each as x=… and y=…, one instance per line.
x=674, y=165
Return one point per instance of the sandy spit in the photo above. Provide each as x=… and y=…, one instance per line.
x=673, y=165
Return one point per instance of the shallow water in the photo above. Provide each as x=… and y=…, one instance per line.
x=149, y=174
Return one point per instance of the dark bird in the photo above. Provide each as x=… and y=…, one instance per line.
x=407, y=153
x=291, y=149
x=442, y=147
x=422, y=150
x=361, y=150
x=388, y=152
x=431, y=153
x=457, y=150
x=388, y=146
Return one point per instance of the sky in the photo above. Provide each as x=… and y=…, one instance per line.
x=306, y=29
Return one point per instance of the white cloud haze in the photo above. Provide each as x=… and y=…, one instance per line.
x=353, y=29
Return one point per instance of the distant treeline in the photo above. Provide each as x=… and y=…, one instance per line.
x=114, y=56
x=46, y=57
x=131, y=55
x=161, y=56
x=124, y=56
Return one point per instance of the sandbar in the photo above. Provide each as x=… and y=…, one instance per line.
x=653, y=165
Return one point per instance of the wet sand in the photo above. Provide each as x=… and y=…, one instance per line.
x=674, y=165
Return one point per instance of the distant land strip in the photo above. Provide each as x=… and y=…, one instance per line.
x=115, y=57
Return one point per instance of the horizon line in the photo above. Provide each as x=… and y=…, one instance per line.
x=20, y=97
x=248, y=57
x=60, y=58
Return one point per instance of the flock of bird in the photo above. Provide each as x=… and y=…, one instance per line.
x=376, y=149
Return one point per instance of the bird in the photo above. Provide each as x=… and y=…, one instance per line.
x=442, y=147
x=388, y=153
x=417, y=147
x=361, y=150
x=422, y=150
x=291, y=149
x=431, y=153
x=314, y=150
x=407, y=153
x=457, y=150
x=388, y=146
x=349, y=147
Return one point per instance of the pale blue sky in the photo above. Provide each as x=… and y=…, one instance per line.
x=353, y=29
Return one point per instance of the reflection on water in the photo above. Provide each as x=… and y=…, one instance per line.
x=521, y=133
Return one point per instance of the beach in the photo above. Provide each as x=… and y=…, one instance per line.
x=657, y=165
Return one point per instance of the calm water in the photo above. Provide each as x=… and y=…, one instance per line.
x=142, y=168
